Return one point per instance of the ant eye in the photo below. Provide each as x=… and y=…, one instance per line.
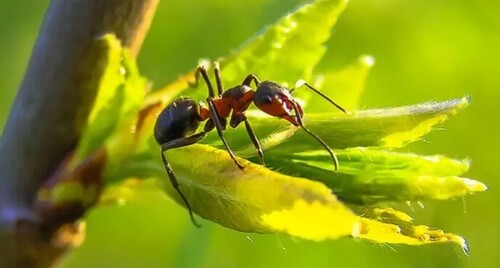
x=267, y=99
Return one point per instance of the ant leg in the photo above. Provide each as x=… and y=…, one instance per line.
x=202, y=70
x=249, y=79
x=255, y=141
x=218, y=78
x=304, y=83
x=215, y=118
x=173, y=180
x=301, y=124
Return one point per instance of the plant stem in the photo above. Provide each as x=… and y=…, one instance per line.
x=50, y=110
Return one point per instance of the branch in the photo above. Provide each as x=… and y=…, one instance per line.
x=50, y=110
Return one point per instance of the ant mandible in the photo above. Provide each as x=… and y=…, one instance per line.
x=176, y=125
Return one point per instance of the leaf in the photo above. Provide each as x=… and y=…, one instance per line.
x=121, y=92
x=370, y=176
x=386, y=225
x=245, y=201
x=290, y=48
x=260, y=200
x=388, y=127
x=169, y=92
x=301, y=33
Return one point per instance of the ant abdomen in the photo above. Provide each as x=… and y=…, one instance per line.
x=177, y=120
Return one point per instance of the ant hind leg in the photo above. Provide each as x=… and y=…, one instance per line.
x=255, y=141
x=218, y=79
x=202, y=70
x=173, y=180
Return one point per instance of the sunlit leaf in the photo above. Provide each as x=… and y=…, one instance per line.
x=368, y=176
x=246, y=200
x=289, y=49
x=301, y=33
x=388, y=225
x=387, y=127
x=260, y=200
x=121, y=92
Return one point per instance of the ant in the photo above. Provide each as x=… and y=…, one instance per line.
x=176, y=125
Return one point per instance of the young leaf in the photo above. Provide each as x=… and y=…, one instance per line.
x=370, y=176
x=260, y=200
x=256, y=199
x=121, y=92
x=289, y=49
x=386, y=225
x=269, y=55
x=388, y=127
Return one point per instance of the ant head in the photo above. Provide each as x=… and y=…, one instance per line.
x=276, y=100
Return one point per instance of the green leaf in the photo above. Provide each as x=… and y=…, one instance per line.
x=260, y=200
x=256, y=199
x=387, y=127
x=387, y=225
x=369, y=176
x=286, y=51
x=120, y=94
x=290, y=48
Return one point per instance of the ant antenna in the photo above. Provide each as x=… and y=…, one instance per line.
x=301, y=83
x=301, y=124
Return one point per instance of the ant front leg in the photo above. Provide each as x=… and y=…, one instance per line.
x=218, y=79
x=181, y=142
x=218, y=126
x=202, y=70
x=301, y=83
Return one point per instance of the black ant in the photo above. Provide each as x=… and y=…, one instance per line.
x=176, y=125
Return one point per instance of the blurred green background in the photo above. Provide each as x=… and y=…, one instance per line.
x=424, y=50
